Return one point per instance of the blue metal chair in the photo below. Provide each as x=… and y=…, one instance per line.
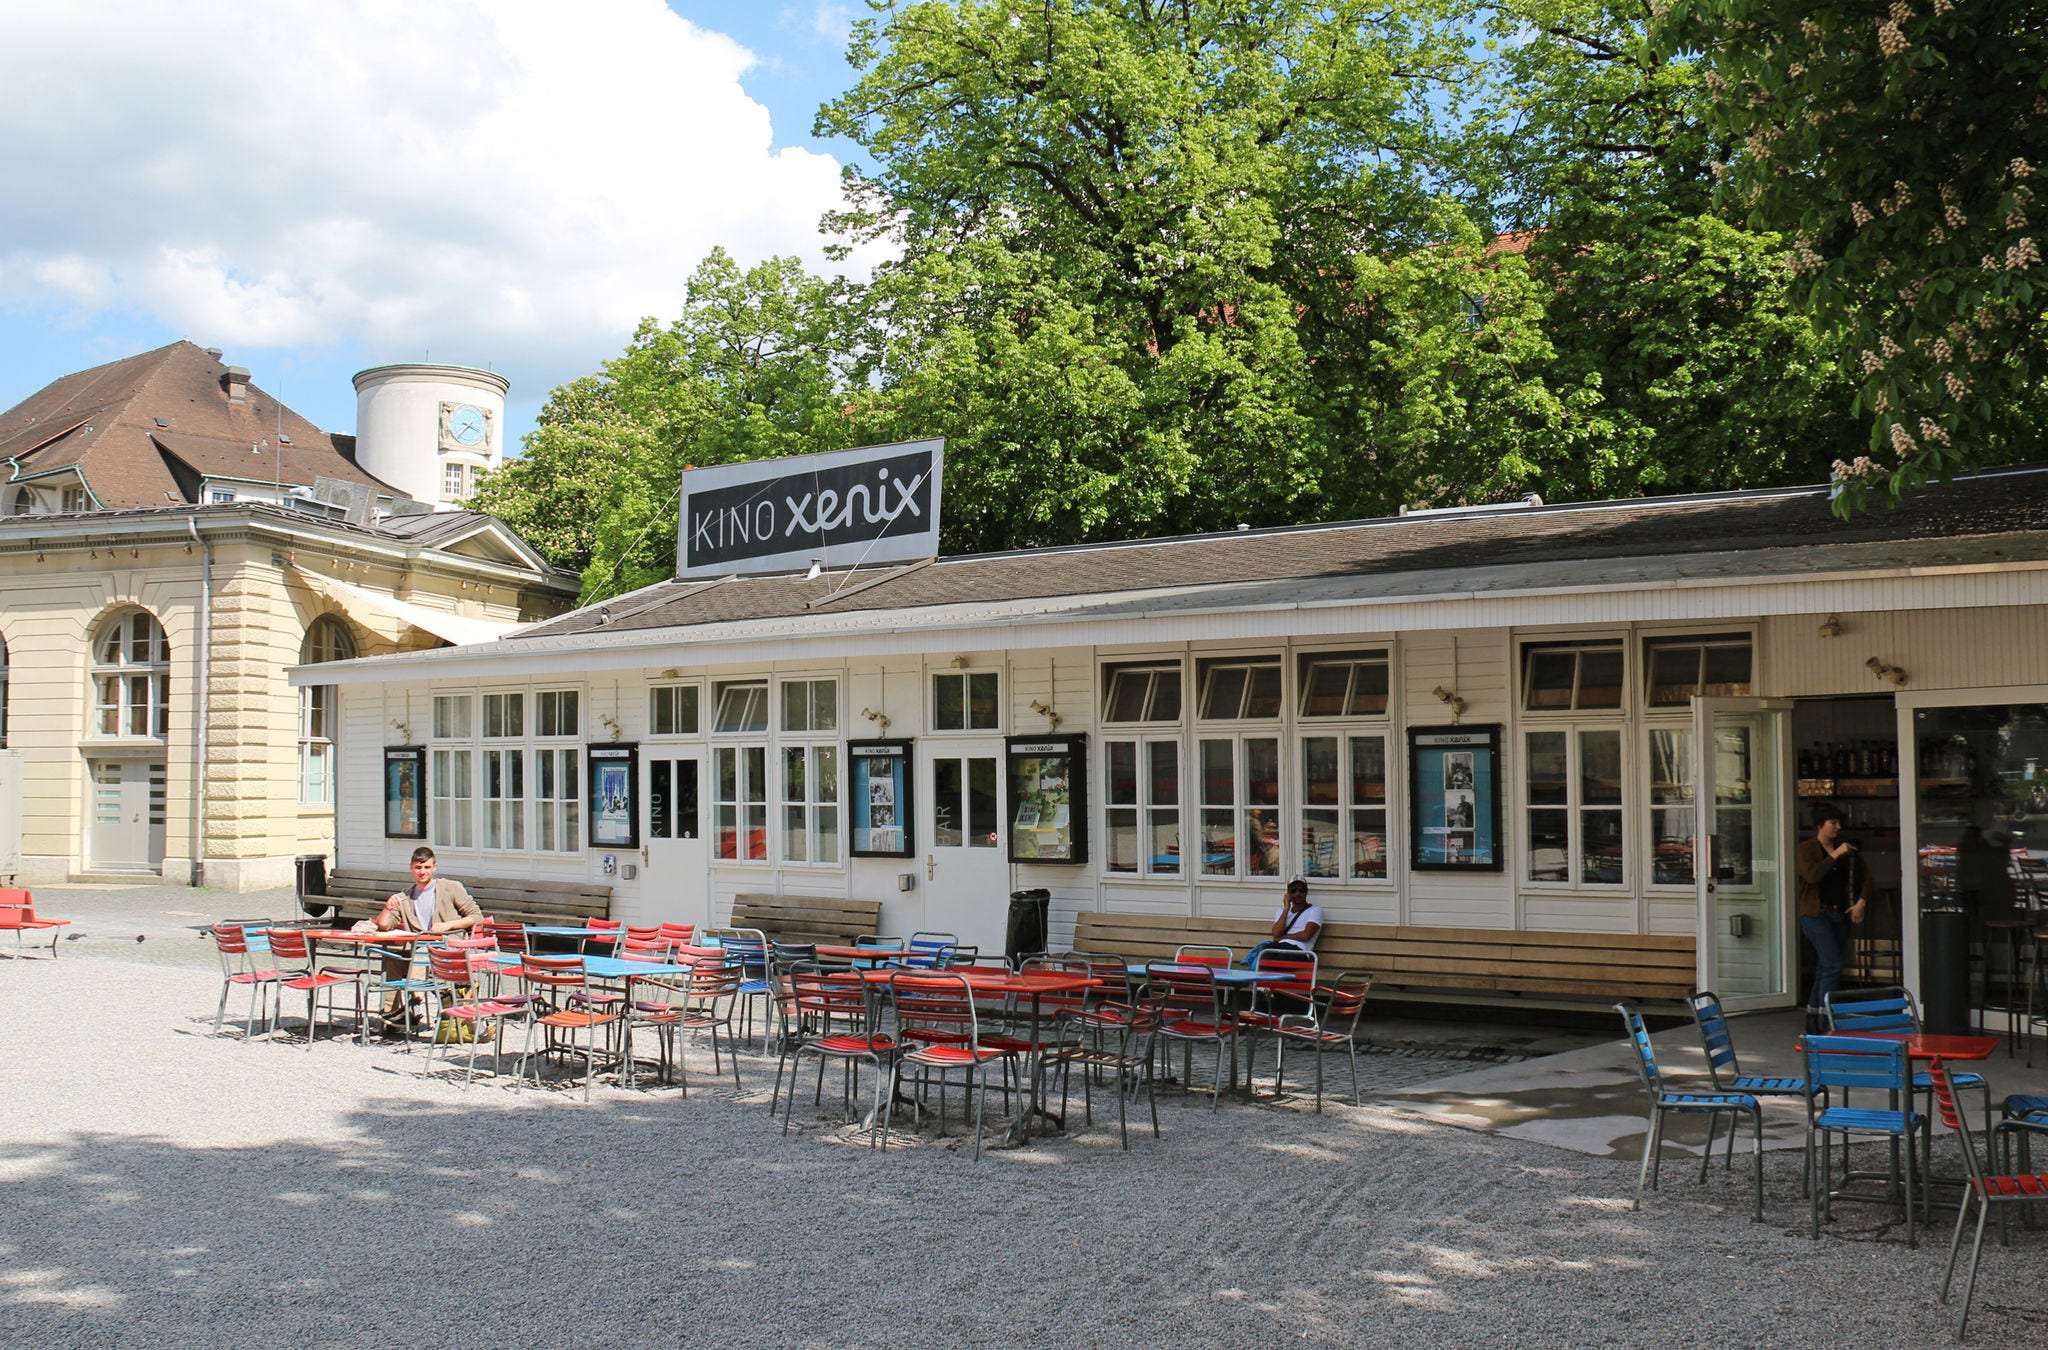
x=1850, y=1062
x=750, y=950
x=1664, y=1102
x=928, y=950
x=1720, y=1048
x=1890, y=1008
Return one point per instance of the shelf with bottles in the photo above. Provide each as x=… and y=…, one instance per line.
x=1850, y=761
x=1879, y=788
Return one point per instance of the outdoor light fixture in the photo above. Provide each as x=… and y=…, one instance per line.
x=1830, y=627
x=1450, y=700
x=403, y=729
x=961, y=663
x=1885, y=671
x=611, y=724
x=880, y=720
x=1052, y=718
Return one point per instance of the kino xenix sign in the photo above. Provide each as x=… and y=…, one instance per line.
x=841, y=508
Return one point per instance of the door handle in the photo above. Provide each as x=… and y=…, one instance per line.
x=931, y=866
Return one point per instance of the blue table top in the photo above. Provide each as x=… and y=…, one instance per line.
x=1224, y=974
x=610, y=967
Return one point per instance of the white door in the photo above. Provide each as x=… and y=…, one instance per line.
x=127, y=815
x=1742, y=804
x=676, y=859
x=967, y=869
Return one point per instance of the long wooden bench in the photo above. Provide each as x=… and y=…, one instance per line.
x=1439, y=965
x=359, y=894
x=806, y=918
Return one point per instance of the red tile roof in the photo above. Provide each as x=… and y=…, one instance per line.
x=103, y=423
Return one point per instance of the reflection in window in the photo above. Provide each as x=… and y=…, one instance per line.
x=1671, y=807
x=1347, y=684
x=1711, y=667
x=1142, y=694
x=672, y=710
x=965, y=702
x=1238, y=690
x=1142, y=820
x=1561, y=677
x=742, y=706
x=1331, y=796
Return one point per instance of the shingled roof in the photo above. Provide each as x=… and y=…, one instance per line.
x=1994, y=506
x=103, y=423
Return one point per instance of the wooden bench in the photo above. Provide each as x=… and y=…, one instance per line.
x=360, y=894
x=806, y=918
x=1438, y=965
x=18, y=914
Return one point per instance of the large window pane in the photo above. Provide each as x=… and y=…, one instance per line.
x=1319, y=772
x=1601, y=864
x=949, y=807
x=1549, y=774
x=1600, y=768
x=982, y=826
x=1550, y=845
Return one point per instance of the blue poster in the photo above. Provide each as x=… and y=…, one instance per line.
x=1454, y=797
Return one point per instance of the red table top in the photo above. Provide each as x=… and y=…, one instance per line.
x=1922, y=1045
x=984, y=980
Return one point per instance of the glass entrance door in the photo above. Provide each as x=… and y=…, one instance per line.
x=1742, y=802
x=675, y=886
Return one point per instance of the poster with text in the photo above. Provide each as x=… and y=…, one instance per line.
x=1454, y=777
x=880, y=798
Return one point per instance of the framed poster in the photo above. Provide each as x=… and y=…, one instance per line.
x=405, y=792
x=614, y=798
x=1048, y=799
x=1454, y=799
x=879, y=796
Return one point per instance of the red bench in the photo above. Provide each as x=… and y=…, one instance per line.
x=18, y=912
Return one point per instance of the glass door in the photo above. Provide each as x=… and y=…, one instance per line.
x=1742, y=802
x=675, y=856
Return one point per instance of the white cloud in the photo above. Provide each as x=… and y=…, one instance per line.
x=513, y=181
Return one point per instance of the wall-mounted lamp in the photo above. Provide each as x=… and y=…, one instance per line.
x=880, y=720
x=1052, y=719
x=402, y=727
x=611, y=724
x=961, y=663
x=1830, y=627
x=1884, y=671
x=669, y=674
x=1450, y=700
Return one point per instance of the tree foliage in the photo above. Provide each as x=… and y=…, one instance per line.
x=1896, y=144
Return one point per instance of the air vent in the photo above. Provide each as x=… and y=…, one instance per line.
x=161, y=422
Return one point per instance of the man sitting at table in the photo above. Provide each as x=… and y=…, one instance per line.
x=430, y=905
x=1296, y=924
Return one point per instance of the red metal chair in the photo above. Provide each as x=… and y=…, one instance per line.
x=556, y=982
x=292, y=949
x=453, y=971
x=829, y=1016
x=1273, y=1000
x=1110, y=1037
x=1331, y=1025
x=643, y=932
x=935, y=1016
x=703, y=1002
x=605, y=940
x=678, y=934
x=18, y=913
x=1981, y=1191
x=239, y=970
x=1195, y=1012
x=1203, y=954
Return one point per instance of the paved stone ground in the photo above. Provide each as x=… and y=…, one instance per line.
x=168, y=1187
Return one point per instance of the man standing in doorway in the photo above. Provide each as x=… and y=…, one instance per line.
x=1834, y=890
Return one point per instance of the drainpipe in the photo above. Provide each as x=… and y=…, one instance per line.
x=199, y=722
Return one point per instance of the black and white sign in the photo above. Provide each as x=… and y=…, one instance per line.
x=873, y=505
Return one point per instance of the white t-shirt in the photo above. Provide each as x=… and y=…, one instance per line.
x=423, y=908
x=1312, y=915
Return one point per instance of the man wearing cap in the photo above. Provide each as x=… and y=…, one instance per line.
x=1296, y=923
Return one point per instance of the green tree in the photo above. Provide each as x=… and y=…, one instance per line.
x=582, y=449
x=1893, y=142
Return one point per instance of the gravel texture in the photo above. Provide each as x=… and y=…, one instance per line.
x=164, y=1186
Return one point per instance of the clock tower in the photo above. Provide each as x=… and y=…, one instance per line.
x=430, y=430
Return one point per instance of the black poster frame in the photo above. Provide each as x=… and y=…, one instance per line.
x=1017, y=750
x=1483, y=741
x=861, y=805
x=605, y=756
x=398, y=758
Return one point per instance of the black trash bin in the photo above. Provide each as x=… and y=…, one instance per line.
x=1945, y=971
x=312, y=881
x=1026, y=935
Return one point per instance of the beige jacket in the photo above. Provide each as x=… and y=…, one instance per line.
x=452, y=901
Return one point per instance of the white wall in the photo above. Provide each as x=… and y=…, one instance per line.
x=398, y=424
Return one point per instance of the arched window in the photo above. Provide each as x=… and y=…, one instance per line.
x=3, y=693
x=131, y=678
x=326, y=640
x=21, y=502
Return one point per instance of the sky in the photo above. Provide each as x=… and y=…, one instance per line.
x=320, y=186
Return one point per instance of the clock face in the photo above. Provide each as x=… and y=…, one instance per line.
x=467, y=426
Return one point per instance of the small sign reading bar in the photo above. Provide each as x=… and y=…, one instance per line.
x=841, y=508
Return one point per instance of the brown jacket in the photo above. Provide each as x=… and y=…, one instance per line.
x=1812, y=864
x=452, y=901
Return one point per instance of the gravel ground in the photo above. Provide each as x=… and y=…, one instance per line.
x=167, y=1187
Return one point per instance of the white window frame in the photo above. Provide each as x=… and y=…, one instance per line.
x=500, y=701
x=1617, y=643
x=1724, y=638
x=1241, y=805
x=1254, y=664
x=966, y=677
x=503, y=766
x=319, y=705
x=76, y=500
x=1144, y=810
x=810, y=726
x=557, y=706
x=451, y=773
x=1348, y=810
x=746, y=688
x=1647, y=807
x=125, y=676
x=673, y=694
x=810, y=814
x=3, y=693
x=734, y=814
x=1107, y=673
x=1576, y=808
x=557, y=798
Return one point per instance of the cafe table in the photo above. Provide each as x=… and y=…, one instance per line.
x=612, y=969
x=1924, y=1047
x=358, y=946
x=1032, y=985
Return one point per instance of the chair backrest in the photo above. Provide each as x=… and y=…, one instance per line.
x=605, y=936
x=1203, y=954
x=747, y=948
x=1952, y=1116
x=788, y=954
x=682, y=934
x=1299, y=967
x=651, y=950
x=551, y=972
x=880, y=943
x=289, y=944
x=1186, y=992
x=926, y=949
x=935, y=1001
x=1713, y=1025
x=449, y=965
x=643, y=932
x=1343, y=1001
x=510, y=937
x=229, y=940
x=1646, y=1058
x=828, y=996
x=1856, y=1062
x=1882, y=1009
